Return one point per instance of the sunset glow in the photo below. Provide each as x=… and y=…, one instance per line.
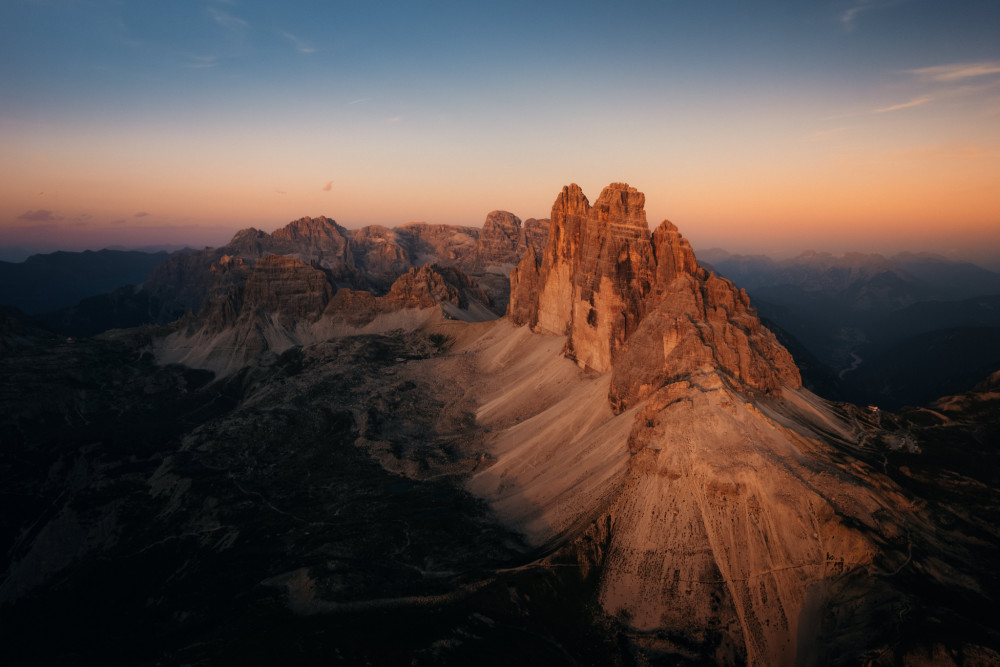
x=778, y=126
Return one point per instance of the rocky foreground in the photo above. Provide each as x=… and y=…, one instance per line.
x=623, y=470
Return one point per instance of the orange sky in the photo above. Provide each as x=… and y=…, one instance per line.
x=837, y=127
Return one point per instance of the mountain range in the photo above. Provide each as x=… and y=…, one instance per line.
x=328, y=446
x=863, y=316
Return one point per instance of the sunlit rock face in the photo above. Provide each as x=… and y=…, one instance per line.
x=638, y=304
x=534, y=234
x=719, y=514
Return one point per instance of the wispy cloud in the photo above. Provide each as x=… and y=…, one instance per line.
x=958, y=71
x=859, y=7
x=300, y=44
x=141, y=214
x=905, y=105
x=281, y=192
x=228, y=21
x=41, y=215
x=360, y=100
x=328, y=186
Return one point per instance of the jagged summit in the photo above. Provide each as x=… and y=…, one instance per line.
x=637, y=303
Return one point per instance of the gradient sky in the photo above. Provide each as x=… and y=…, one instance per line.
x=870, y=125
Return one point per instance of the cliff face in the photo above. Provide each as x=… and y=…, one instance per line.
x=500, y=241
x=255, y=308
x=711, y=500
x=637, y=303
x=289, y=289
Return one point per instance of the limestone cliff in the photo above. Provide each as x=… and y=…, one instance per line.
x=638, y=304
x=500, y=240
x=257, y=308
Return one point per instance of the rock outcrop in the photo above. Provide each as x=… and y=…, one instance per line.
x=370, y=258
x=288, y=289
x=499, y=242
x=256, y=308
x=679, y=457
x=381, y=251
x=534, y=234
x=604, y=281
x=505, y=240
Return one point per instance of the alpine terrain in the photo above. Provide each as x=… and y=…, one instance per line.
x=371, y=446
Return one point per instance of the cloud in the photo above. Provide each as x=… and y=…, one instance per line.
x=228, y=21
x=141, y=214
x=859, y=7
x=328, y=186
x=905, y=105
x=958, y=71
x=280, y=192
x=41, y=215
x=300, y=45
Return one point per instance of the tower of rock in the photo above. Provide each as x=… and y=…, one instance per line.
x=637, y=304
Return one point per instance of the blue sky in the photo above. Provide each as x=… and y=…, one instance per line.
x=752, y=125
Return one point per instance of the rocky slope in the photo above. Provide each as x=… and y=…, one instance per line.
x=254, y=310
x=624, y=470
x=732, y=515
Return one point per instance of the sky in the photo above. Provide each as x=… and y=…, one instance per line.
x=755, y=126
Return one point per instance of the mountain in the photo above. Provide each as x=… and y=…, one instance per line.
x=370, y=259
x=866, y=312
x=625, y=469
x=918, y=369
x=917, y=276
x=43, y=283
x=257, y=309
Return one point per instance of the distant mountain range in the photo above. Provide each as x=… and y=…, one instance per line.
x=853, y=320
x=44, y=283
x=864, y=315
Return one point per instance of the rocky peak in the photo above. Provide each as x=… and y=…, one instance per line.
x=307, y=228
x=672, y=253
x=314, y=238
x=247, y=242
x=379, y=251
x=279, y=287
x=637, y=303
x=534, y=234
x=622, y=205
x=499, y=241
x=422, y=288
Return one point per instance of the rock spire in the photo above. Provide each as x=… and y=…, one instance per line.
x=637, y=304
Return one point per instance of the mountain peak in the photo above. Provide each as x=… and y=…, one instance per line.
x=638, y=304
x=623, y=204
x=307, y=227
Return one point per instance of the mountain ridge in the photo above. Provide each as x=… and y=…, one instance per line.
x=628, y=457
